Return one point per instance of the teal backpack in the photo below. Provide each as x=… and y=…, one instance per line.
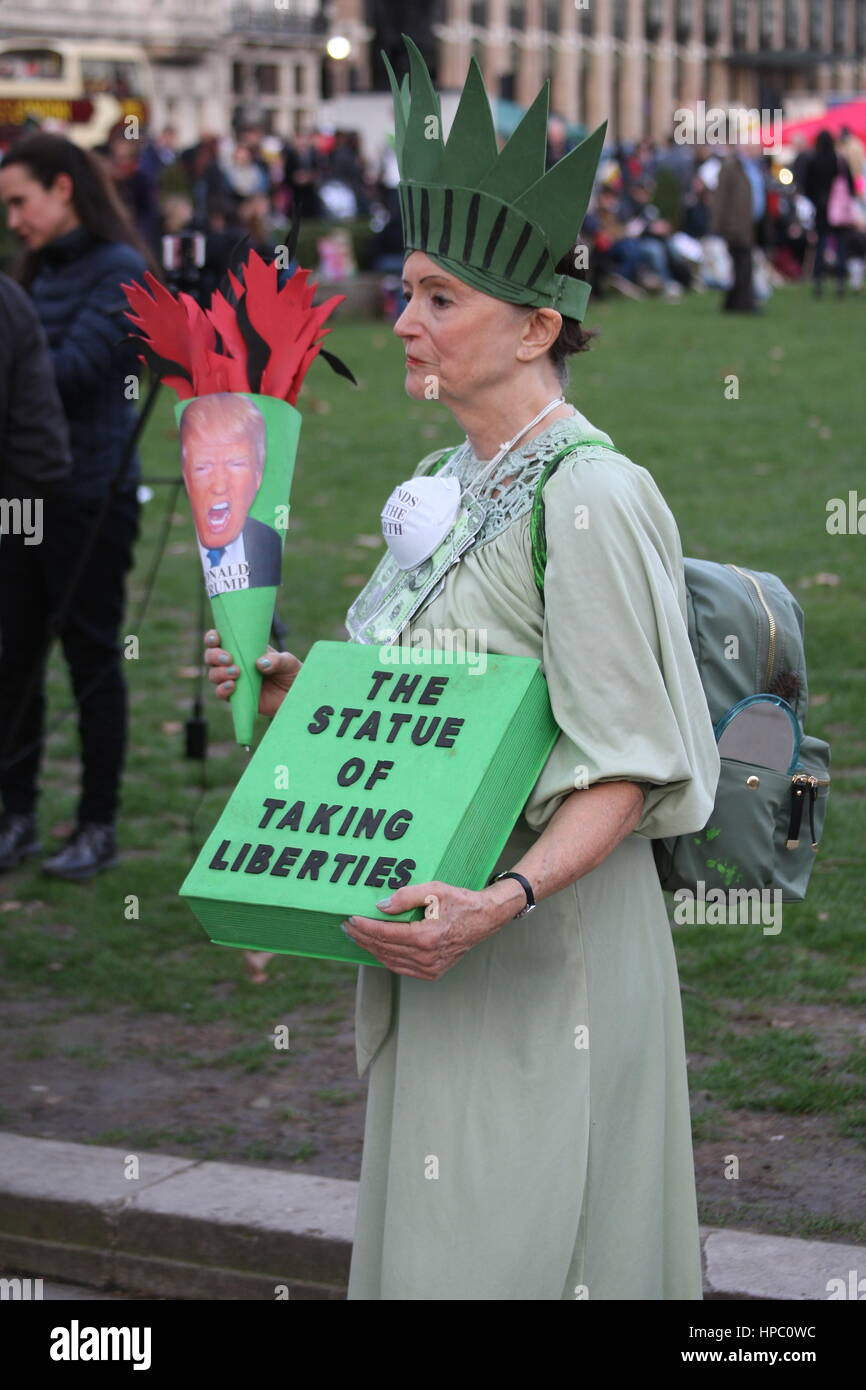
x=765, y=825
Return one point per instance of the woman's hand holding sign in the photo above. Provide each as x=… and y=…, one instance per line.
x=455, y=920
x=278, y=672
x=583, y=830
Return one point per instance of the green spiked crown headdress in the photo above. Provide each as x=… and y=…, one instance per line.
x=493, y=218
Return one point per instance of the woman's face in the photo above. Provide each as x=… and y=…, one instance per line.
x=458, y=341
x=35, y=214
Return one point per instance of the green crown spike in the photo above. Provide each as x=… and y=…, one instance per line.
x=472, y=149
x=522, y=155
x=493, y=218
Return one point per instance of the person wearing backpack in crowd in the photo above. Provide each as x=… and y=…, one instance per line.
x=567, y=1171
x=80, y=248
x=829, y=186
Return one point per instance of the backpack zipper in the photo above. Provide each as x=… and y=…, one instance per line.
x=771, y=651
x=803, y=783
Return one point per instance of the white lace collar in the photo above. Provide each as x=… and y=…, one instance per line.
x=516, y=477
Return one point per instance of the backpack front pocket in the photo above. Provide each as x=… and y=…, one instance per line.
x=748, y=841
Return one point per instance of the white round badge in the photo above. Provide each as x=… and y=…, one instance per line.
x=418, y=516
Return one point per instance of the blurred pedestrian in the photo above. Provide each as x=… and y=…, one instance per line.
x=557, y=141
x=244, y=175
x=34, y=436
x=80, y=247
x=733, y=219
x=346, y=166
x=157, y=153
x=829, y=186
x=135, y=182
x=853, y=152
x=303, y=175
x=251, y=137
x=679, y=159
x=207, y=180
x=800, y=162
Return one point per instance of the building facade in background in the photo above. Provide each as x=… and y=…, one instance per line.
x=632, y=62
x=213, y=63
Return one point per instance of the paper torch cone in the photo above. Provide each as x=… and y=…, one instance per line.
x=238, y=451
x=237, y=368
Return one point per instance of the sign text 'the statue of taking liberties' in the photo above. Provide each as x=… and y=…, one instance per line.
x=371, y=776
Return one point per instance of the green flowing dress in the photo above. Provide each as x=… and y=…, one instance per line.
x=527, y=1132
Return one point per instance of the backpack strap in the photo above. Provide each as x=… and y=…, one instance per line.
x=536, y=520
x=440, y=463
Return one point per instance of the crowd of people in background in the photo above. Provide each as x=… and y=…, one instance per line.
x=662, y=220
x=248, y=186
x=721, y=218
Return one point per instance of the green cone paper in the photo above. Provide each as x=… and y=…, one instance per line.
x=238, y=453
x=382, y=767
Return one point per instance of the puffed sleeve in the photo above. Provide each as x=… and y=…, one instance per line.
x=623, y=682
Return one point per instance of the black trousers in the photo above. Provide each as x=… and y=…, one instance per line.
x=740, y=296
x=34, y=582
x=840, y=236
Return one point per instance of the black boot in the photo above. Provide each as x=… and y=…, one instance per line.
x=89, y=849
x=18, y=838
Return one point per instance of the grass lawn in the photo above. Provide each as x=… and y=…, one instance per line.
x=772, y=1021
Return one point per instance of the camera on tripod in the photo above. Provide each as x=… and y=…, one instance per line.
x=184, y=255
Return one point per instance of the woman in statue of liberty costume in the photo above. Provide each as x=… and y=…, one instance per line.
x=528, y=1132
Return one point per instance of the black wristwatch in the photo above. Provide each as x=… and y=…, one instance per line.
x=527, y=888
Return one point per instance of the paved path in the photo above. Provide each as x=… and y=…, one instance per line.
x=101, y=1223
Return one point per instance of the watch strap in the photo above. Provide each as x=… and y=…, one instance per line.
x=525, y=885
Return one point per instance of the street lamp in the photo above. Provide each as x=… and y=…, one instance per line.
x=338, y=47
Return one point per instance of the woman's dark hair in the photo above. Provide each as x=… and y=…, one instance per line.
x=825, y=164
x=825, y=158
x=572, y=336
x=824, y=142
x=98, y=206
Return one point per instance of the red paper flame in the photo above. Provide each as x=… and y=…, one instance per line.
x=209, y=347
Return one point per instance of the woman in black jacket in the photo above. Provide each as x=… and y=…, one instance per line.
x=34, y=437
x=824, y=167
x=80, y=248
